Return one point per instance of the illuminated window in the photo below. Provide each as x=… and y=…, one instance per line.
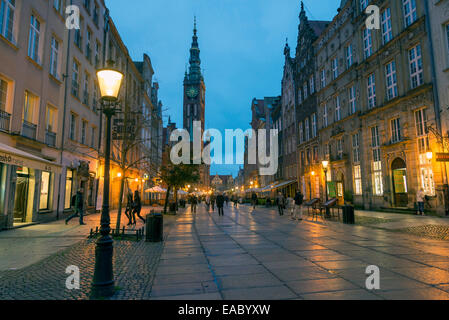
x=377, y=162
x=68, y=189
x=357, y=180
x=425, y=165
x=45, y=191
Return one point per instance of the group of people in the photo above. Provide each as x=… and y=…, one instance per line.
x=294, y=205
x=219, y=201
x=133, y=207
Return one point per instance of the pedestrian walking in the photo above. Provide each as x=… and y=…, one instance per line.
x=254, y=200
x=280, y=200
x=420, y=198
x=207, y=202
x=226, y=200
x=299, y=198
x=193, y=203
x=220, y=204
x=137, y=207
x=78, y=207
x=235, y=199
x=212, y=201
x=129, y=209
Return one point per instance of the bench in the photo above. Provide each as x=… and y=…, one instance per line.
x=330, y=207
x=312, y=204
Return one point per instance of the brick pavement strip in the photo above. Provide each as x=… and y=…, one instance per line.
x=134, y=267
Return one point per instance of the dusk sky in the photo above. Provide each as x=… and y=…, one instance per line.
x=241, y=44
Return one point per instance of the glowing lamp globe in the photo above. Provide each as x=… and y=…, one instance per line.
x=109, y=81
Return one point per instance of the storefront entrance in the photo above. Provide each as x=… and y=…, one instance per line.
x=21, y=195
x=341, y=188
x=400, y=188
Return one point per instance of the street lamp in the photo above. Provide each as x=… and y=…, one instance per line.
x=109, y=81
x=325, y=164
x=325, y=167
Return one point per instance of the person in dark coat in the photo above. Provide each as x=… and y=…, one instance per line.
x=212, y=201
x=78, y=208
x=280, y=200
x=129, y=210
x=194, y=203
x=137, y=207
x=220, y=204
x=254, y=200
x=299, y=199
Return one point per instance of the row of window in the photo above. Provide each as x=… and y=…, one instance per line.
x=85, y=136
x=425, y=168
x=85, y=96
x=391, y=83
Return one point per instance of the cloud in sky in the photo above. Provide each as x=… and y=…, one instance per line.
x=241, y=44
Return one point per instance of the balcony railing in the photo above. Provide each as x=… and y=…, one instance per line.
x=50, y=138
x=29, y=130
x=5, y=118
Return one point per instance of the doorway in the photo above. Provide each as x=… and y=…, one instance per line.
x=341, y=188
x=400, y=188
x=21, y=195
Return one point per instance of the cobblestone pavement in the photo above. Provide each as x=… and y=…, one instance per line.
x=134, y=266
x=249, y=255
x=258, y=255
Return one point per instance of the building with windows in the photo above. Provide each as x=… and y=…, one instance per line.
x=438, y=24
x=307, y=105
x=337, y=104
x=397, y=107
x=51, y=124
x=31, y=81
x=83, y=53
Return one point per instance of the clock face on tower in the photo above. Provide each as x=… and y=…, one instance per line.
x=192, y=92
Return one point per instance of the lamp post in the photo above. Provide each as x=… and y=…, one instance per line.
x=109, y=81
x=312, y=174
x=325, y=164
x=325, y=167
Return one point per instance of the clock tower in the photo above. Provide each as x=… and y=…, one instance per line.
x=194, y=106
x=194, y=89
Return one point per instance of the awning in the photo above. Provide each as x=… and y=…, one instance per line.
x=13, y=156
x=283, y=184
x=156, y=189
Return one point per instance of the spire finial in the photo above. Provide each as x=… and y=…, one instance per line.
x=302, y=5
x=194, y=25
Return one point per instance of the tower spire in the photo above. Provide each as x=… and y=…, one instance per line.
x=195, y=61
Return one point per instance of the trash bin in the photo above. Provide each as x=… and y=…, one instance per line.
x=348, y=215
x=154, y=227
x=172, y=207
